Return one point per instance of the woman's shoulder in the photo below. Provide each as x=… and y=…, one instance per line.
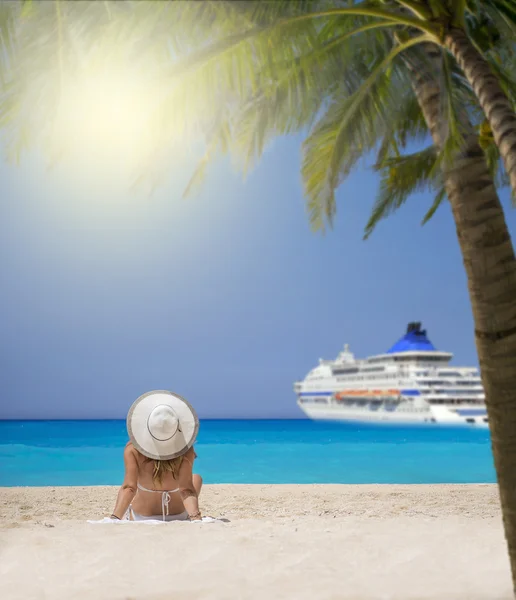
x=190, y=455
x=130, y=450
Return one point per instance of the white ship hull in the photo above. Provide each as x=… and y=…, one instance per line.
x=425, y=417
x=410, y=384
x=338, y=413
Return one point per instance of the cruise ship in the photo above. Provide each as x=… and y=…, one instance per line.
x=412, y=383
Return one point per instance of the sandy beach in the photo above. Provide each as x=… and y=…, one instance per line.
x=281, y=541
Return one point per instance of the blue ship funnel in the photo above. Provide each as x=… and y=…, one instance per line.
x=414, y=340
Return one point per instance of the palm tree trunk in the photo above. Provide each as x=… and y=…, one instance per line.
x=490, y=264
x=492, y=98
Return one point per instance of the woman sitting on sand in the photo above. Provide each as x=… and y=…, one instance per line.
x=158, y=482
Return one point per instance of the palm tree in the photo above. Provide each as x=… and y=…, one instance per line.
x=490, y=265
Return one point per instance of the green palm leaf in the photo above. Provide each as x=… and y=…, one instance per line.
x=403, y=176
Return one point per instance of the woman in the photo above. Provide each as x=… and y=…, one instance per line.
x=159, y=482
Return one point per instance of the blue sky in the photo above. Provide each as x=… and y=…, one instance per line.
x=226, y=298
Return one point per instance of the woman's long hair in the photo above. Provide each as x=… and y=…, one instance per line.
x=164, y=466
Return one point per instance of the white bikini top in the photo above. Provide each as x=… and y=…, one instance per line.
x=165, y=497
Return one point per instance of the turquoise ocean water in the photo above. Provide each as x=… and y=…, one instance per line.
x=297, y=451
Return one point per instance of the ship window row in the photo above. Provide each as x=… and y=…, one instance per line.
x=413, y=359
x=313, y=400
x=344, y=371
x=421, y=359
x=456, y=392
x=454, y=401
x=369, y=377
x=462, y=384
x=443, y=374
x=347, y=375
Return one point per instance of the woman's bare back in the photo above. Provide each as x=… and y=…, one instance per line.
x=150, y=503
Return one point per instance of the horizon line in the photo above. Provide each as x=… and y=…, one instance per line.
x=301, y=418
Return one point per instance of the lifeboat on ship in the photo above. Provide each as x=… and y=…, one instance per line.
x=376, y=394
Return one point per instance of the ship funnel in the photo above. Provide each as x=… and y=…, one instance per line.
x=415, y=340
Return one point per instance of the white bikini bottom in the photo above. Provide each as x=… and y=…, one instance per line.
x=179, y=517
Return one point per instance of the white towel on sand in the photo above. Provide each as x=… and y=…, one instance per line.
x=107, y=520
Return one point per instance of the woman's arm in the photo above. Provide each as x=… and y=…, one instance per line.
x=186, y=486
x=128, y=489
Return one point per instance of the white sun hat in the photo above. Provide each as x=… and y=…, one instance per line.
x=162, y=425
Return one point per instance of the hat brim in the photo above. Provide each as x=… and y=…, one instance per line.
x=140, y=435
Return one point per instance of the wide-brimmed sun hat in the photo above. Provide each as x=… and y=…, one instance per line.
x=162, y=425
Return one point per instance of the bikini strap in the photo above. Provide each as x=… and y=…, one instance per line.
x=143, y=489
x=165, y=499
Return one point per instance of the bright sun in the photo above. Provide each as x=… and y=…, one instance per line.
x=105, y=119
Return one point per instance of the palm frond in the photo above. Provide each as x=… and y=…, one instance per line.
x=440, y=197
x=400, y=178
x=493, y=158
x=289, y=92
x=347, y=131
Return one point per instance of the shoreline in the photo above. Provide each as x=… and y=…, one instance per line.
x=307, y=541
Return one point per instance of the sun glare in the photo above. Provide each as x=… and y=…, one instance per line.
x=104, y=119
